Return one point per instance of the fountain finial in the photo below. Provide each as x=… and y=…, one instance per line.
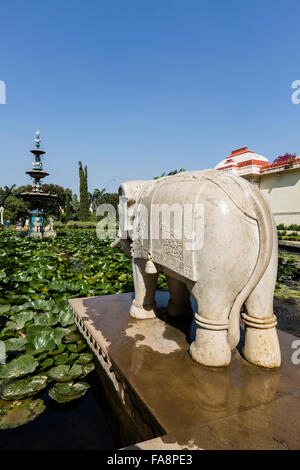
x=37, y=139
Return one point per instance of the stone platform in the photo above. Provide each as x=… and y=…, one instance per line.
x=178, y=404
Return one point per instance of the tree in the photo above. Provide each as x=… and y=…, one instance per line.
x=75, y=207
x=6, y=192
x=96, y=198
x=111, y=198
x=84, y=213
x=174, y=172
x=68, y=193
x=16, y=207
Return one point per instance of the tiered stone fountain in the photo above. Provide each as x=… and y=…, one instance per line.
x=37, y=198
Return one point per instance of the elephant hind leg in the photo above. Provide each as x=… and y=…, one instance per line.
x=261, y=346
x=143, y=305
x=179, y=302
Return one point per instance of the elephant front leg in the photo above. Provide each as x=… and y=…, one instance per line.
x=143, y=305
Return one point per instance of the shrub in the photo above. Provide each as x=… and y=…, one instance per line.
x=288, y=159
x=294, y=227
x=81, y=224
x=57, y=224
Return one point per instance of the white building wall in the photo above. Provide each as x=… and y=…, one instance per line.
x=282, y=190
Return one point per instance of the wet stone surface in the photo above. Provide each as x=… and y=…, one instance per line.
x=190, y=401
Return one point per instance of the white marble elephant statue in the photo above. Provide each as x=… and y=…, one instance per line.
x=229, y=267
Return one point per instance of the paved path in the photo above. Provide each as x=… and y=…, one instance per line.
x=289, y=243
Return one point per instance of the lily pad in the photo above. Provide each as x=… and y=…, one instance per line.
x=23, y=388
x=45, y=305
x=72, y=358
x=66, y=317
x=76, y=348
x=86, y=369
x=17, y=322
x=60, y=348
x=72, y=338
x=65, y=373
x=45, y=319
x=64, y=392
x=84, y=358
x=61, y=359
x=46, y=363
x=17, y=413
x=22, y=365
x=40, y=341
x=4, y=308
x=15, y=344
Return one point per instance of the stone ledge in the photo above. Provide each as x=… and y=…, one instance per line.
x=176, y=401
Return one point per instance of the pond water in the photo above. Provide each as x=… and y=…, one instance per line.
x=81, y=424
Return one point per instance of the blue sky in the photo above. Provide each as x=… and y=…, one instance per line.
x=133, y=88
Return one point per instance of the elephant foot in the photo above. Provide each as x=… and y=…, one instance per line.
x=142, y=312
x=261, y=345
x=211, y=348
x=176, y=310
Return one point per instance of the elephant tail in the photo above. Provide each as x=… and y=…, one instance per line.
x=257, y=209
x=265, y=228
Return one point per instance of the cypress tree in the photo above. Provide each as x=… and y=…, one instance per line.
x=68, y=207
x=84, y=212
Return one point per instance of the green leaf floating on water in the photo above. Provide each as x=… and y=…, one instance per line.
x=16, y=413
x=45, y=305
x=66, y=317
x=45, y=338
x=72, y=358
x=84, y=358
x=86, y=369
x=76, y=348
x=60, y=348
x=64, y=392
x=23, y=388
x=65, y=373
x=40, y=340
x=4, y=308
x=17, y=322
x=72, y=338
x=46, y=363
x=59, y=333
x=45, y=319
x=15, y=344
x=61, y=359
x=22, y=365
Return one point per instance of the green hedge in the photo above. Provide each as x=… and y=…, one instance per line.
x=75, y=224
x=289, y=227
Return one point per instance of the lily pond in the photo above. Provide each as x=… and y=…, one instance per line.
x=49, y=394
x=46, y=370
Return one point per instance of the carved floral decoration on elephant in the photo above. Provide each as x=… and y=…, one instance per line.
x=213, y=235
